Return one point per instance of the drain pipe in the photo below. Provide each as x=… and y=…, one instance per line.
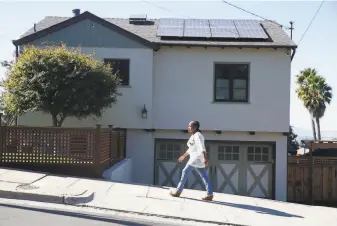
x=293, y=54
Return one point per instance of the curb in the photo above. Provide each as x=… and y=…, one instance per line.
x=85, y=197
x=161, y=216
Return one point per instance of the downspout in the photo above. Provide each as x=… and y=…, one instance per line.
x=293, y=54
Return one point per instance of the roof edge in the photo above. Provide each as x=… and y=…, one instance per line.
x=76, y=19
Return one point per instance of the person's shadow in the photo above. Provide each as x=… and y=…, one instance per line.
x=257, y=209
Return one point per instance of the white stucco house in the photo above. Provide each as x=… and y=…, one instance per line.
x=233, y=76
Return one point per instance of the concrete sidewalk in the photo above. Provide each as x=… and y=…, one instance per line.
x=155, y=201
x=18, y=184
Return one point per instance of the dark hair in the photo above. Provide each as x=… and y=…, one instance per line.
x=196, y=125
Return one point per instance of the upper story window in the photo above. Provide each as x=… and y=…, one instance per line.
x=121, y=67
x=231, y=82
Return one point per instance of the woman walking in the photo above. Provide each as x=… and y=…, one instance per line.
x=198, y=161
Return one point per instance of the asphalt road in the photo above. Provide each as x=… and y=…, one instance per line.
x=23, y=215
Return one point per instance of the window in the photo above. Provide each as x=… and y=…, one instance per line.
x=231, y=82
x=121, y=68
x=169, y=151
x=258, y=154
x=228, y=153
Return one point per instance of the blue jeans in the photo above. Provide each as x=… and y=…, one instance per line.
x=203, y=174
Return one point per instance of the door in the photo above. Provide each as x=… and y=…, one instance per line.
x=242, y=169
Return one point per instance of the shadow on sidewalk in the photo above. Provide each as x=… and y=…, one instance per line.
x=257, y=209
x=115, y=220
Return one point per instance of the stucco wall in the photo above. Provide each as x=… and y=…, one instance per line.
x=120, y=172
x=183, y=90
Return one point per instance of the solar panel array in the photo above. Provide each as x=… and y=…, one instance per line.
x=214, y=28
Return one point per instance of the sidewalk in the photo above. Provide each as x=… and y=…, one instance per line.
x=155, y=201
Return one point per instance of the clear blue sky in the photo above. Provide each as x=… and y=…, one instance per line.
x=318, y=49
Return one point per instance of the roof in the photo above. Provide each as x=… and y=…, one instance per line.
x=147, y=33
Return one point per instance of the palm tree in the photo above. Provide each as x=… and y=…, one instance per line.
x=315, y=94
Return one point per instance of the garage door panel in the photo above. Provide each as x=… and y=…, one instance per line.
x=259, y=171
x=168, y=170
x=168, y=173
x=227, y=178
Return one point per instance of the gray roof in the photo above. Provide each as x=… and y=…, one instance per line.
x=279, y=37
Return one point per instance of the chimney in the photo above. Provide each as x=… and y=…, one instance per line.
x=34, y=27
x=76, y=12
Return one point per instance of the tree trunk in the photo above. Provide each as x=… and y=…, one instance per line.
x=313, y=128
x=318, y=128
x=56, y=121
x=54, y=117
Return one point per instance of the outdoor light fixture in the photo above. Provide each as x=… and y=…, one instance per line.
x=144, y=112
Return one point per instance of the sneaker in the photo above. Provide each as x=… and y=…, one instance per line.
x=175, y=193
x=208, y=198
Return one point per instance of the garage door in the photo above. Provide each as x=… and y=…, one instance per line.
x=241, y=169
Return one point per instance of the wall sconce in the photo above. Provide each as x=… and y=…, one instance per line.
x=144, y=112
x=218, y=132
x=252, y=133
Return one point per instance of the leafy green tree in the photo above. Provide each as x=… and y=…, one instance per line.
x=61, y=82
x=315, y=93
x=292, y=142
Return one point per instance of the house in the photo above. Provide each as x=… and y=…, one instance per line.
x=233, y=76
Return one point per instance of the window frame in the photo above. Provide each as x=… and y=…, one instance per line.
x=121, y=59
x=231, y=100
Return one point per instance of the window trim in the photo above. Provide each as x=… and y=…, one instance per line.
x=129, y=61
x=248, y=83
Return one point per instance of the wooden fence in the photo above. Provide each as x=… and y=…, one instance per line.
x=312, y=181
x=72, y=151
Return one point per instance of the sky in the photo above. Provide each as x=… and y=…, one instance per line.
x=318, y=48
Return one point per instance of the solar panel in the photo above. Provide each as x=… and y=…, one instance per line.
x=197, y=28
x=223, y=29
x=250, y=29
x=170, y=27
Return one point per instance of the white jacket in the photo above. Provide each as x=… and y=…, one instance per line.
x=196, y=147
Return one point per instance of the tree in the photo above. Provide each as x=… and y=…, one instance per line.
x=62, y=82
x=315, y=93
x=6, y=118
x=292, y=142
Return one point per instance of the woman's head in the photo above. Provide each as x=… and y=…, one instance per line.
x=194, y=126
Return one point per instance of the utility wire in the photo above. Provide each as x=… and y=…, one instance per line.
x=166, y=9
x=242, y=9
x=312, y=20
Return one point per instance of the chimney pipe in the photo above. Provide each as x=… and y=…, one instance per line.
x=34, y=27
x=76, y=12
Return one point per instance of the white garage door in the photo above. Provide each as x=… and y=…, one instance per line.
x=234, y=168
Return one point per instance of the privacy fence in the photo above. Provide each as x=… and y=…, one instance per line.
x=311, y=179
x=71, y=151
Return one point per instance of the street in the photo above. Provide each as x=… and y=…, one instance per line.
x=23, y=213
